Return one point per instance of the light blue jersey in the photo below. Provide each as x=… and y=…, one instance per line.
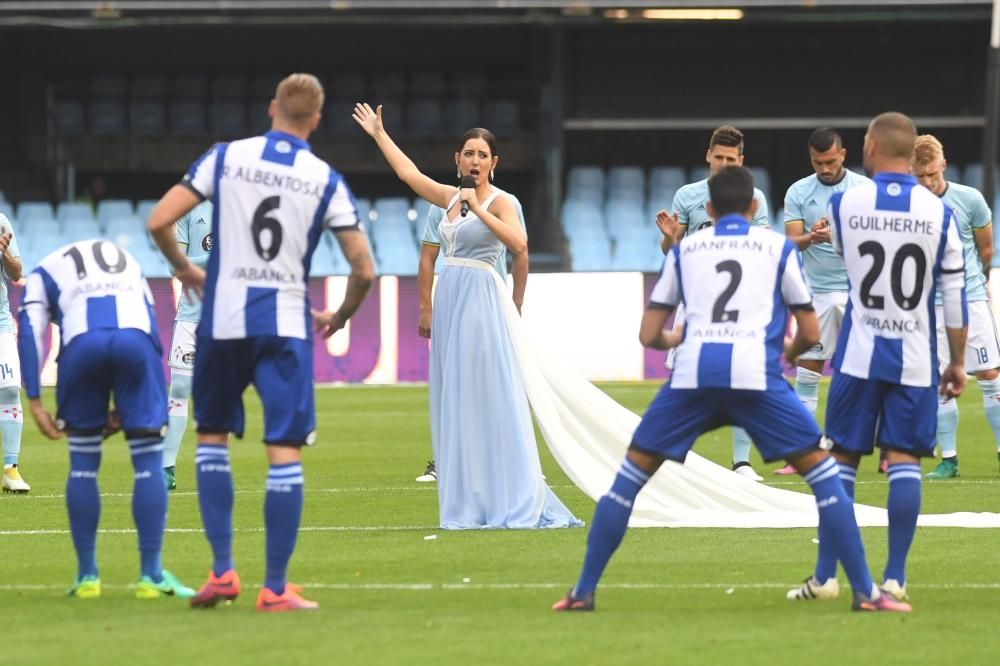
x=433, y=237
x=971, y=213
x=689, y=204
x=6, y=322
x=194, y=233
x=806, y=202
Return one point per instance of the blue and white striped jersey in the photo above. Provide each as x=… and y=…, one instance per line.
x=86, y=286
x=271, y=200
x=899, y=241
x=736, y=283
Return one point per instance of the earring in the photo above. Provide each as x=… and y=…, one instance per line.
x=492, y=175
x=458, y=173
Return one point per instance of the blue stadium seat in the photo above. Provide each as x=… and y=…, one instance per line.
x=388, y=86
x=659, y=199
x=666, y=178
x=347, y=86
x=228, y=119
x=152, y=261
x=622, y=214
x=420, y=207
x=127, y=231
x=397, y=257
x=778, y=221
x=392, y=231
x=503, y=116
x=151, y=87
x=364, y=207
x=581, y=216
x=229, y=88
x=190, y=87
x=589, y=254
x=424, y=116
x=974, y=176
x=74, y=210
x=698, y=173
x=323, y=261
x=107, y=119
x=80, y=228
x=149, y=118
x=587, y=181
x=762, y=181
x=623, y=179
x=7, y=210
x=68, y=118
x=392, y=207
x=467, y=84
x=28, y=211
x=111, y=208
x=109, y=87
x=187, y=119
x=953, y=173
x=427, y=83
x=263, y=85
x=144, y=207
x=462, y=114
x=635, y=250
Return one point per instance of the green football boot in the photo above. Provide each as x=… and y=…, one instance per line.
x=87, y=587
x=170, y=477
x=169, y=586
x=946, y=469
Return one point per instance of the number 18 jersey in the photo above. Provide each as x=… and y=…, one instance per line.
x=271, y=200
x=899, y=241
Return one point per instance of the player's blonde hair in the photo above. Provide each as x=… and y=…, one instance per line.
x=927, y=149
x=299, y=97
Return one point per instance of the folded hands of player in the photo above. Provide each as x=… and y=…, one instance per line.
x=192, y=280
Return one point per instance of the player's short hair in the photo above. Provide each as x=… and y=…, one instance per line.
x=727, y=135
x=480, y=133
x=926, y=149
x=299, y=97
x=894, y=134
x=823, y=139
x=731, y=190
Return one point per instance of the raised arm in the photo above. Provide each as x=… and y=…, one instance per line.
x=425, y=187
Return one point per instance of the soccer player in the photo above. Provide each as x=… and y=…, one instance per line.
x=899, y=242
x=982, y=351
x=271, y=199
x=728, y=372
x=429, y=249
x=11, y=414
x=194, y=237
x=95, y=293
x=807, y=227
x=690, y=214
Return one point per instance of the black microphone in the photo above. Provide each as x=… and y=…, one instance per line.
x=467, y=181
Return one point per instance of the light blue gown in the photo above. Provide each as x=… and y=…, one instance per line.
x=489, y=475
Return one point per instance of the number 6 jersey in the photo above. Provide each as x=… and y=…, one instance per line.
x=272, y=197
x=899, y=242
x=737, y=283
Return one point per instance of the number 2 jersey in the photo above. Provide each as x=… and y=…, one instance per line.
x=737, y=283
x=86, y=286
x=899, y=242
x=271, y=200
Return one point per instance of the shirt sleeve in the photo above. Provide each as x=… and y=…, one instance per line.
x=980, y=217
x=794, y=290
x=434, y=217
x=341, y=213
x=678, y=206
x=956, y=313
x=760, y=218
x=793, y=206
x=33, y=320
x=667, y=290
x=200, y=178
x=182, y=229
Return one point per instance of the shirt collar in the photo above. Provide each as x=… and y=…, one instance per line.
x=892, y=177
x=732, y=219
x=278, y=135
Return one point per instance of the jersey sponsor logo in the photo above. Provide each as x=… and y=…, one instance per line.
x=201, y=220
x=893, y=189
x=262, y=275
x=116, y=286
x=891, y=325
x=207, y=243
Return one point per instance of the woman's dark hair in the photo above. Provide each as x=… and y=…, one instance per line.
x=480, y=133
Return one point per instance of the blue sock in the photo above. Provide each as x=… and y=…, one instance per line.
x=11, y=423
x=826, y=561
x=149, y=503
x=282, y=514
x=838, y=525
x=807, y=388
x=83, y=500
x=904, y=507
x=609, y=525
x=741, y=446
x=991, y=405
x=215, y=497
x=947, y=427
x=177, y=408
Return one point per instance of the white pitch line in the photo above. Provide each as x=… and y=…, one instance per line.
x=884, y=482
x=360, y=490
x=198, y=530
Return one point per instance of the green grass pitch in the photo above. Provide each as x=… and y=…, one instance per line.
x=390, y=595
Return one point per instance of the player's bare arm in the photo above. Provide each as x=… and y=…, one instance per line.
x=651, y=333
x=806, y=335
x=519, y=271
x=984, y=246
x=175, y=203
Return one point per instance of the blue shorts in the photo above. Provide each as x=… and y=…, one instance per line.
x=280, y=368
x=861, y=412
x=100, y=362
x=775, y=419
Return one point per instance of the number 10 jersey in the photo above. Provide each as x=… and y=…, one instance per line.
x=899, y=242
x=272, y=198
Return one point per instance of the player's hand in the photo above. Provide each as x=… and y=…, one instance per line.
x=192, y=281
x=327, y=323
x=668, y=223
x=5, y=238
x=953, y=381
x=789, y=350
x=424, y=324
x=673, y=338
x=820, y=232
x=112, y=425
x=44, y=420
x=370, y=121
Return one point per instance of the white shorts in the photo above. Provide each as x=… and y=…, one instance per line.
x=830, y=307
x=982, y=349
x=182, y=346
x=10, y=364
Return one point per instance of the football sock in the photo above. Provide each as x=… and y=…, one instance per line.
x=903, y=506
x=991, y=405
x=826, y=561
x=215, y=497
x=11, y=423
x=741, y=446
x=608, y=527
x=807, y=388
x=149, y=502
x=837, y=524
x=282, y=514
x=83, y=500
x=947, y=426
x=180, y=392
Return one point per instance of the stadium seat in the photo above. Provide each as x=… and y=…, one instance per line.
x=590, y=255
x=953, y=174
x=420, y=208
x=143, y=208
x=190, y=87
x=187, y=119
x=666, y=178
x=338, y=118
x=587, y=181
x=462, y=114
x=620, y=214
x=148, y=119
x=73, y=210
x=467, y=84
x=762, y=181
x=424, y=116
x=323, y=262
x=974, y=176
x=364, y=207
x=109, y=87
x=348, y=87
x=150, y=87
x=503, y=116
x=7, y=210
x=264, y=84
x=636, y=251
x=127, y=231
x=228, y=119
x=388, y=86
x=258, y=122
x=659, y=199
x=68, y=118
x=391, y=231
x=80, y=228
x=229, y=88
x=397, y=257
x=582, y=218
x=623, y=179
x=391, y=207
x=427, y=83
x=778, y=221
x=698, y=173
x=112, y=208
x=28, y=211
x=107, y=118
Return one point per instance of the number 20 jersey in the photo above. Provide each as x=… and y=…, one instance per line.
x=899, y=241
x=272, y=198
x=736, y=283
